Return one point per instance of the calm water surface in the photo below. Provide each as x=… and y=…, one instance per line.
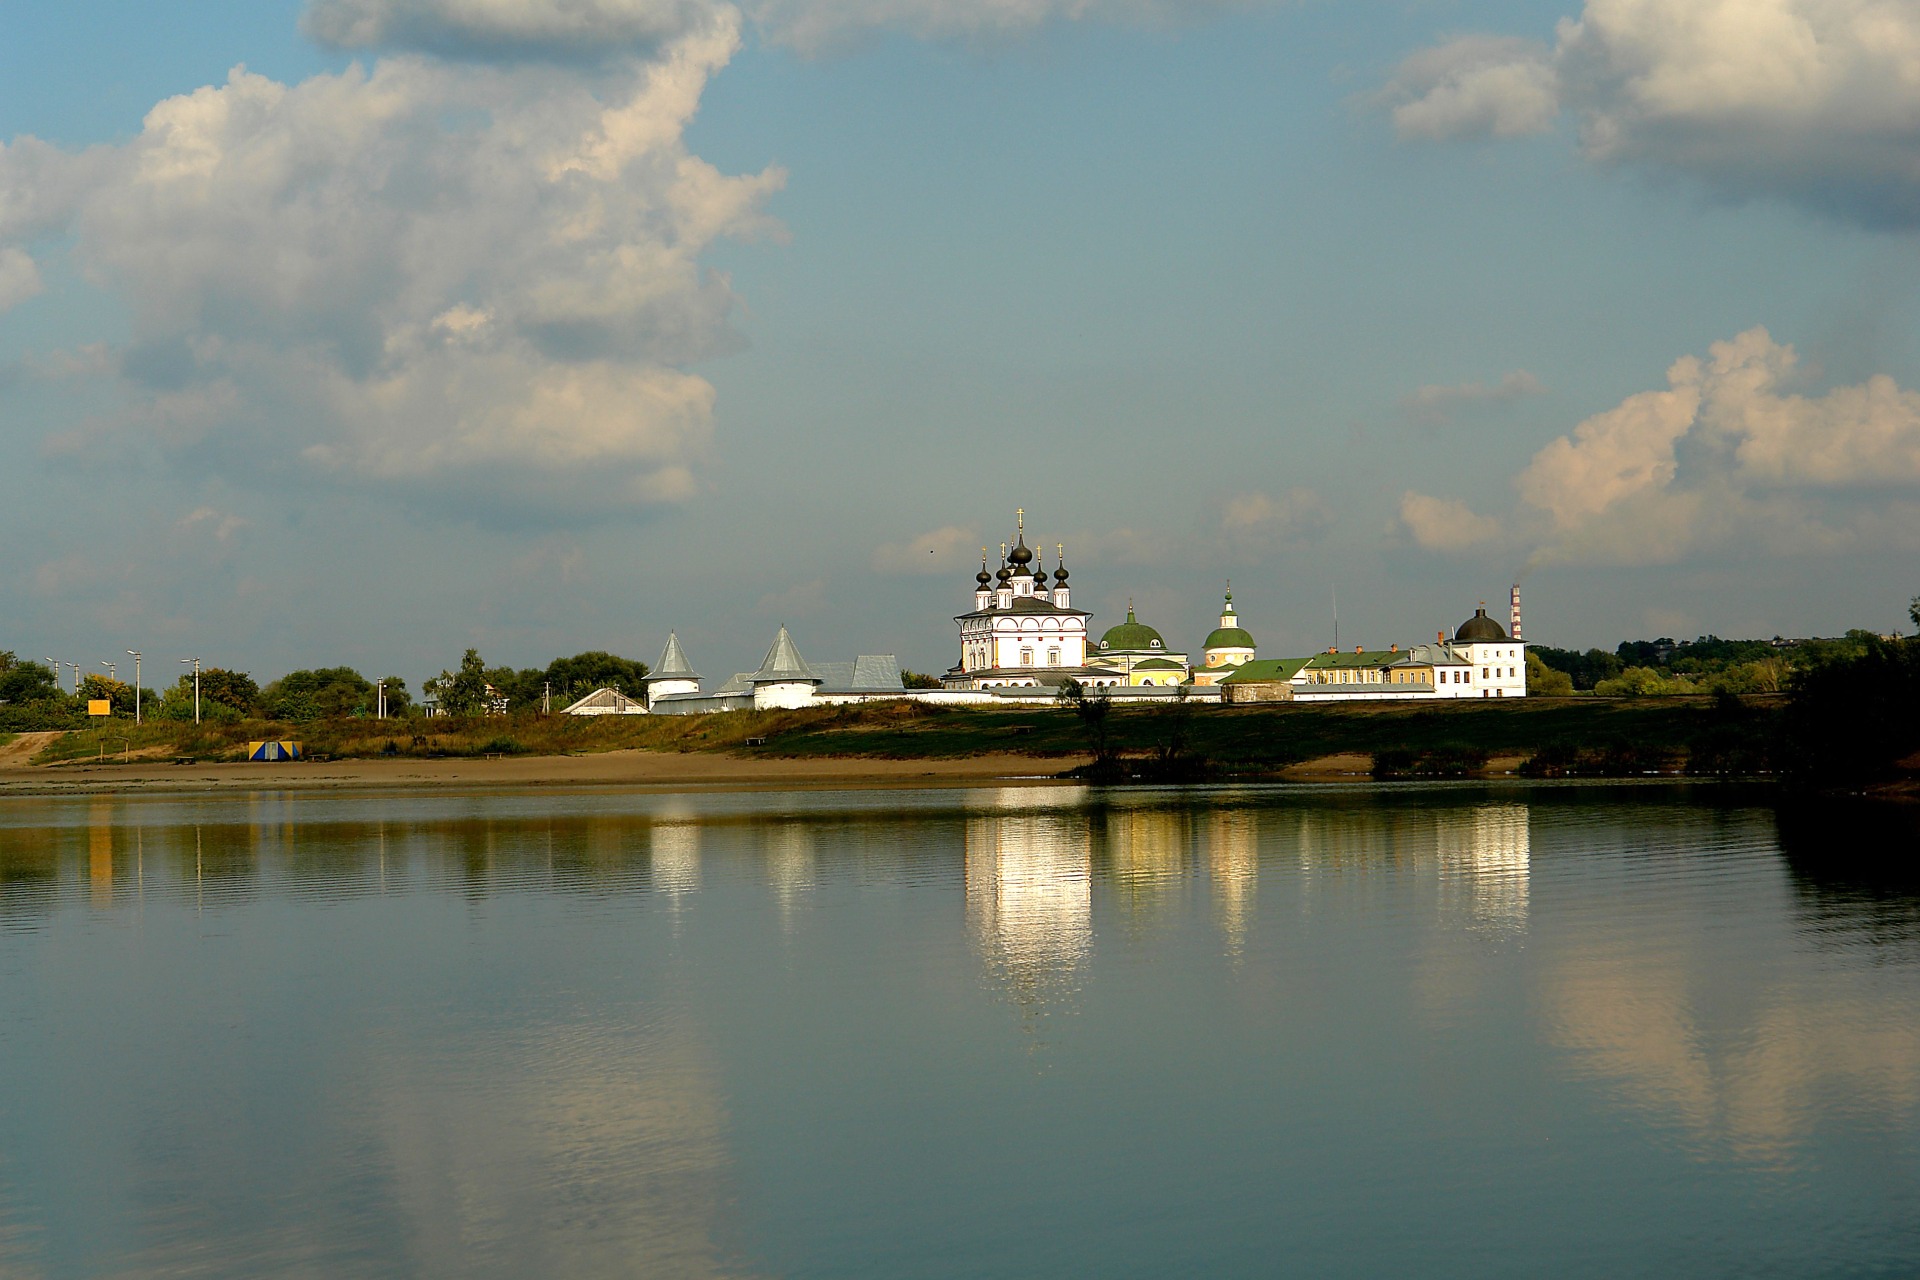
x=1010, y=1032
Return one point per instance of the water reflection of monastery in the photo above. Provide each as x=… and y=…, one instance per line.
x=1030, y=897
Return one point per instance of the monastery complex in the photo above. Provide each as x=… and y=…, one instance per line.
x=1023, y=641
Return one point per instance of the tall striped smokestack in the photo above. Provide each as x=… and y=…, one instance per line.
x=1513, y=612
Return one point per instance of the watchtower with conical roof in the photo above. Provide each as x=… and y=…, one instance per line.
x=784, y=679
x=673, y=674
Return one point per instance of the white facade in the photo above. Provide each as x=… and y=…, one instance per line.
x=1023, y=631
x=1496, y=670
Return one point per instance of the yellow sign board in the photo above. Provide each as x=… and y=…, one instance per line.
x=99, y=706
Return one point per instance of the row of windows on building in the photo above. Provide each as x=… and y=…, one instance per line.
x=1375, y=675
x=982, y=657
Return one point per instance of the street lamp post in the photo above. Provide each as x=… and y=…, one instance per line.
x=113, y=672
x=379, y=699
x=196, y=687
x=135, y=655
x=76, y=678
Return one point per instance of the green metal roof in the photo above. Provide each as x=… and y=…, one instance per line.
x=1132, y=634
x=1230, y=638
x=1365, y=658
x=1265, y=670
x=1157, y=664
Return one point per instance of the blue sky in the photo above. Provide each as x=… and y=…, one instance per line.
x=547, y=326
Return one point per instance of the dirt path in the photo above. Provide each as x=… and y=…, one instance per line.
x=24, y=747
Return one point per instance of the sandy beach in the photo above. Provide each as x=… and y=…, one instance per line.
x=650, y=769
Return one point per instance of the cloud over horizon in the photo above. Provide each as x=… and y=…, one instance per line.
x=478, y=285
x=490, y=29
x=1812, y=101
x=1728, y=456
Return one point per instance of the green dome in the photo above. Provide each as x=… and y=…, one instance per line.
x=1132, y=634
x=1230, y=638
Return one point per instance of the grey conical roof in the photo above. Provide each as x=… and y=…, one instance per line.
x=783, y=662
x=673, y=662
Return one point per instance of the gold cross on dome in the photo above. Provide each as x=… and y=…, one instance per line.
x=1020, y=518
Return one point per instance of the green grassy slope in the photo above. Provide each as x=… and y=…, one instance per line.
x=1237, y=739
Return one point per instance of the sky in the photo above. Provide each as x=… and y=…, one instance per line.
x=365, y=331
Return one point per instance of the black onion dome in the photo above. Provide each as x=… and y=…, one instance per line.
x=1480, y=629
x=1060, y=574
x=1005, y=574
x=1019, y=556
x=983, y=577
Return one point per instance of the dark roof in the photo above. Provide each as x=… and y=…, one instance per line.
x=1028, y=604
x=1480, y=629
x=1230, y=638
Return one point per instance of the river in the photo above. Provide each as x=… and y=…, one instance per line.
x=1426, y=1031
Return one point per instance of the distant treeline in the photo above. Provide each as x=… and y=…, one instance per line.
x=1650, y=668
x=32, y=698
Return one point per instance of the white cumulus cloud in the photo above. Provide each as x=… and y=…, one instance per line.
x=1441, y=524
x=19, y=278
x=1729, y=455
x=1475, y=85
x=479, y=283
x=1816, y=101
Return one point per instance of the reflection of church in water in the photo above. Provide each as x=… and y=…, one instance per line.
x=1030, y=892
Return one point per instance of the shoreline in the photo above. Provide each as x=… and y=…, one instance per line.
x=607, y=769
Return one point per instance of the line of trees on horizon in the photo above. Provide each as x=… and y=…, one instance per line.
x=31, y=697
x=1709, y=664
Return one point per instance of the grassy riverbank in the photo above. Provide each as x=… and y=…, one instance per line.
x=1561, y=735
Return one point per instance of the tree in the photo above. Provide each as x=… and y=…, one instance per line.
x=581, y=674
x=224, y=695
x=328, y=693
x=399, y=701
x=1092, y=710
x=1853, y=720
x=117, y=694
x=462, y=692
x=1545, y=682
x=22, y=683
x=1913, y=612
x=519, y=690
x=916, y=680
